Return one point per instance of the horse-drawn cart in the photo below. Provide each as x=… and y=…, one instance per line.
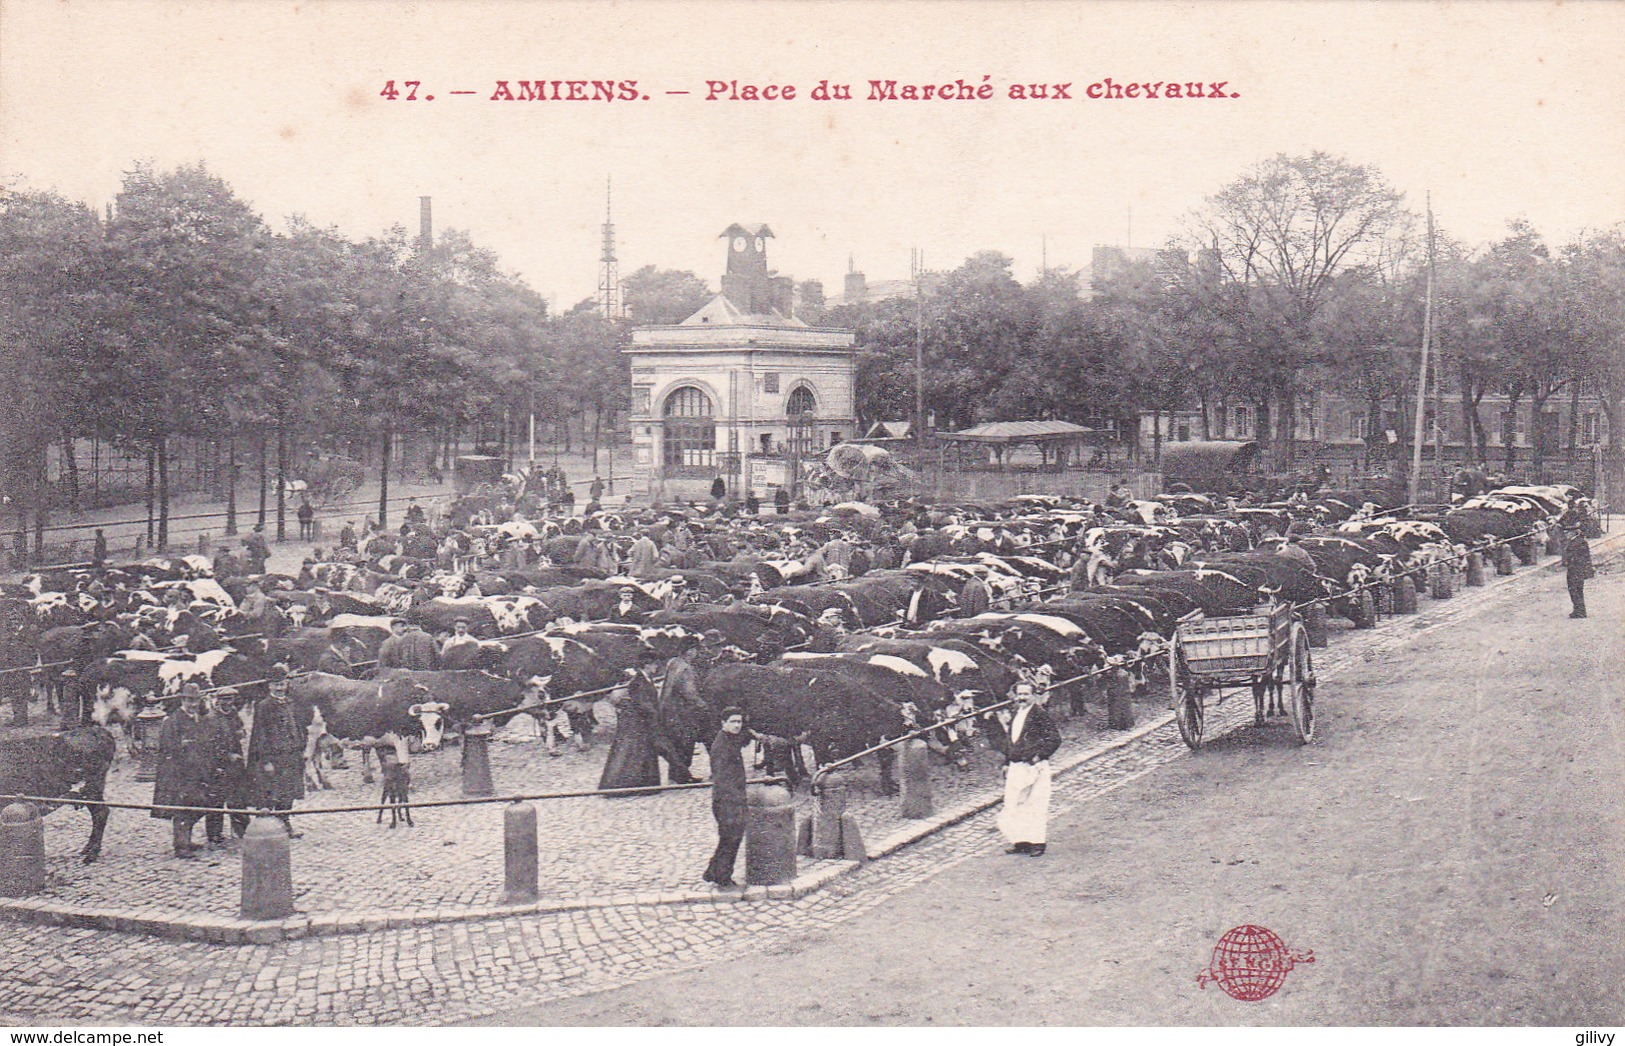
x=1266, y=649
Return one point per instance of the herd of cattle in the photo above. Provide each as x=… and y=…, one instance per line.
x=797, y=626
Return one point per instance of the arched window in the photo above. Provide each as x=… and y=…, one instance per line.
x=691, y=430
x=800, y=408
x=801, y=402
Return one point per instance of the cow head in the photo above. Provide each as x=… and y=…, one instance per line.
x=114, y=704
x=432, y=716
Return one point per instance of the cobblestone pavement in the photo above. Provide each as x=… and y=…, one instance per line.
x=453, y=856
x=440, y=973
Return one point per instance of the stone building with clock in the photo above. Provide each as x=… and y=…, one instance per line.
x=742, y=389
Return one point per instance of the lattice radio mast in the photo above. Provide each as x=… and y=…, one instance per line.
x=609, y=277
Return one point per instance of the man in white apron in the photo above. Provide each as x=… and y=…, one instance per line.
x=1031, y=740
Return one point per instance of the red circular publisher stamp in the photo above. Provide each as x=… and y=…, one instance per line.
x=1251, y=963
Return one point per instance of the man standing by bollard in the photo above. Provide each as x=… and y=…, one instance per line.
x=183, y=770
x=1032, y=739
x=276, y=751
x=228, y=766
x=1576, y=562
x=728, y=802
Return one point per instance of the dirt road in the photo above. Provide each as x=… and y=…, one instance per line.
x=1452, y=850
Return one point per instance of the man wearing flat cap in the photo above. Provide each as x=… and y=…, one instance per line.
x=276, y=750
x=685, y=717
x=1576, y=562
x=183, y=770
x=460, y=637
x=626, y=611
x=407, y=647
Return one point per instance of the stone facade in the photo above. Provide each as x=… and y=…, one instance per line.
x=742, y=389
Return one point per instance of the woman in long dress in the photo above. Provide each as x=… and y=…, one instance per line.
x=633, y=761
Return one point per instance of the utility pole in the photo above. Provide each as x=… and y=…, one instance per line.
x=918, y=266
x=1422, y=375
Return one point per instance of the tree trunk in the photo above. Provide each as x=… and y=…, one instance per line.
x=42, y=494
x=151, y=473
x=261, y=520
x=163, y=492
x=1512, y=433
x=281, y=474
x=1207, y=410
x=1481, y=435
x=1574, y=422
x=231, y=483
x=70, y=471
x=1469, y=419
x=383, y=474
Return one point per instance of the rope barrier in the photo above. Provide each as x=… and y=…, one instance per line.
x=425, y=805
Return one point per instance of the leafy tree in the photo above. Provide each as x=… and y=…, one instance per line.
x=1281, y=235
x=658, y=296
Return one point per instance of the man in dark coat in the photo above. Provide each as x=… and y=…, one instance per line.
x=183, y=770
x=99, y=555
x=633, y=760
x=1030, y=740
x=276, y=751
x=307, y=521
x=728, y=803
x=781, y=501
x=1577, y=565
x=227, y=750
x=19, y=643
x=255, y=550
x=683, y=714
x=407, y=647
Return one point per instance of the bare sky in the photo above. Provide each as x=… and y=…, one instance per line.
x=1501, y=109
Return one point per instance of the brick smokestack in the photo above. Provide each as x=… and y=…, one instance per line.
x=425, y=224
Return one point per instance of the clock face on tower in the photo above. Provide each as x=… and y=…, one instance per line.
x=739, y=243
x=761, y=244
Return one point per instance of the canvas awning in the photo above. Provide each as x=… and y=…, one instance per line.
x=1019, y=432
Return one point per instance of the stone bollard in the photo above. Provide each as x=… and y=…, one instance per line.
x=1554, y=542
x=477, y=762
x=1525, y=548
x=1314, y=622
x=22, y=851
x=267, y=870
x=770, y=836
x=1475, y=570
x=1405, y=596
x=831, y=804
x=915, y=777
x=1443, y=584
x=804, y=837
x=1503, y=559
x=852, y=845
x=521, y=864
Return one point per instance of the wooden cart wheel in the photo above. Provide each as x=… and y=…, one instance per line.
x=1300, y=680
x=1187, y=697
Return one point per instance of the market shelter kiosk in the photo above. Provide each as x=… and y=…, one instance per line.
x=1054, y=439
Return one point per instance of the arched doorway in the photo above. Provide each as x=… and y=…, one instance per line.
x=690, y=436
x=801, y=409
